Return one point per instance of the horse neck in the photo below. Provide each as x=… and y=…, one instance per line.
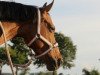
x=10, y=31
x=27, y=30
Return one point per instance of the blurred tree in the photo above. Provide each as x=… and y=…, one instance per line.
x=25, y=71
x=61, y=74
x=18, y=51
x=54, y=72
x=3, y=59
x=46, y=73
x=92, y=72
x=86, y=72
x=67, y=49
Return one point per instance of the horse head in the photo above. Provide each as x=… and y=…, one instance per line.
x=38, y=33
x=46, y=45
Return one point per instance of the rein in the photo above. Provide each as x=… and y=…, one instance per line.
x=39, y=36
x=6, y=48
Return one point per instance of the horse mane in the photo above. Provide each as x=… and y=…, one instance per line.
x=17, y=12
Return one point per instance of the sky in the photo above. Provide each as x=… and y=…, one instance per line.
x=80, y=20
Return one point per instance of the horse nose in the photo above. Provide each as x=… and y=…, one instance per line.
x=59, y=61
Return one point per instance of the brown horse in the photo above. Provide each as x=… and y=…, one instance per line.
x=34, y=24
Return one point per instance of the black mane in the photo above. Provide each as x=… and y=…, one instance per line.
x=17, y=12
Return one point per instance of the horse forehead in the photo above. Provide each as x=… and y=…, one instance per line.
x=46, y=16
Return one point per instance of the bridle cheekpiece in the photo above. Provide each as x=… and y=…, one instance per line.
x=39, y=36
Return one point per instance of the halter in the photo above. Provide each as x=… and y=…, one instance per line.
x=39, y=36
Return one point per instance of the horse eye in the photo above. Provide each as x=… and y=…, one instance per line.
x=52, y=28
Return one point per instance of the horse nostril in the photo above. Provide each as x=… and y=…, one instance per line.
x=59, y=62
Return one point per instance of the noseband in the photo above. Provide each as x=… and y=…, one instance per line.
x=39, y=36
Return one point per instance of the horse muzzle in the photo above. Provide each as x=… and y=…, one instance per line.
x=54, y=64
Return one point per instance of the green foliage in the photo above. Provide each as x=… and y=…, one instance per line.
x=18, y=51
x=25, y=71
x=39, y=63
x=3, y=54
x=67, y=49
x=86, y=72
x=47, y=73
x=92, y=72
x=54, y=72
x=62, y=74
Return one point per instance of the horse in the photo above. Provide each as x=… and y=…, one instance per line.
x=35, y=25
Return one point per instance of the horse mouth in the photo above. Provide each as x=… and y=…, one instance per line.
x=52, y=68
x=54, y=65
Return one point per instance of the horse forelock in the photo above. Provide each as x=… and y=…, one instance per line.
x=17, y=12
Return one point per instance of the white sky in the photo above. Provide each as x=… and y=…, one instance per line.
x=80, y=20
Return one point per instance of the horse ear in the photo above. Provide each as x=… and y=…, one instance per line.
x=48, y=7
x=45, y=5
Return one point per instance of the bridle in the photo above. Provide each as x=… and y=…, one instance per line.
x=39, y=36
